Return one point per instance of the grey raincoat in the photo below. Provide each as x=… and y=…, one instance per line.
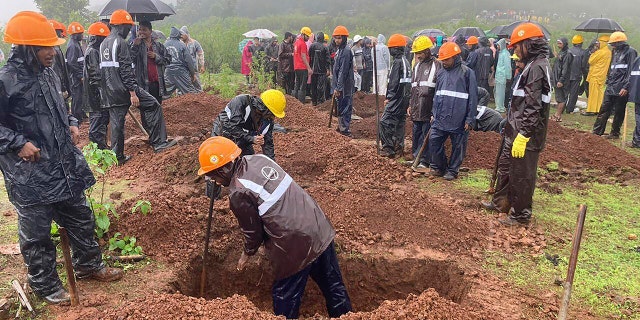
x=182, y=66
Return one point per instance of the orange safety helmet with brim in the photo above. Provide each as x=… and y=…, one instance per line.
x=472, y=40
x=448, y=50
x=340, y=31
x=215, y=152
x=57, y=25
x=99, y=29
x=121, y=17
x=397, y=40
x=75, y=27
x=31, y=29
x=525, y=31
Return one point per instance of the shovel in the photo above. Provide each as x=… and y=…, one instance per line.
x=212, y=193
x=416, y=161
x=494, y=175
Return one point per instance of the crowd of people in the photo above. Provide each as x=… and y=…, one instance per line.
x=443, y=85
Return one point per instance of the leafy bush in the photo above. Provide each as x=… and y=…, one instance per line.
x=127, y=245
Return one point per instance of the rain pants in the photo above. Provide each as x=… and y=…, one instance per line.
x=343, y=81
x=320, y=62
x=98, y=116
x=423, y=89
x=528, y=115
x=75, y=62
x=182, y=66
x=117, y=82
x=599, y=62
x=617, y=79
x=52, y=188
x=241, y=121
x=394, y=116
x=634, y=96
x=274, y=210
x=503, y=75
x=454, y=105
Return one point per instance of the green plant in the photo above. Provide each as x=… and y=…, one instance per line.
x=100, y=161
x=226, y=85
x=127, y=245
x=143, y=205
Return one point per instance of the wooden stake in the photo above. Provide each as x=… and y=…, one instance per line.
x=71, y=276
x=573, y=260
x=624, y=128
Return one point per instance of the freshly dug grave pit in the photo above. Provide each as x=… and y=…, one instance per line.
x=370, y=280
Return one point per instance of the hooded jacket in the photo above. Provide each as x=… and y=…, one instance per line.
x=634, y=83
x=320, y=60
x=139, y=56
x=562, y=64
x=367, y=54
x=423, y=89
x=75, y=59
x=577, y=62
x=240, y=122
x=620, y=69
x=599, y=63
x=181, y=60
x=529, y=111
x=116, y=70
x=503, y=68
x=273, y=209
x=342, y=79
x=32, y=110
x=456, y=98
x=92, y=90
x=60, y=68
x=285, y=57
x=399, y=87
x=481, y=60
x=461, y=42
x=383, y=57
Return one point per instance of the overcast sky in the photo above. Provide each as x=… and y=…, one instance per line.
x=11, y=7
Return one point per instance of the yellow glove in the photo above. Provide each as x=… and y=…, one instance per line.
x=519, y=146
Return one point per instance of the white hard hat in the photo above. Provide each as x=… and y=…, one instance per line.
x=357, y=38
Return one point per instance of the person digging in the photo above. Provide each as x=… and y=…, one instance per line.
x=274, y=210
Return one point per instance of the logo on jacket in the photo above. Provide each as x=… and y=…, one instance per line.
x=105, y=54
x=270, y=173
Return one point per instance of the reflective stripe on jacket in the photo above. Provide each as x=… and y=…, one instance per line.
x=423, y=89
x=456, y=98
x=273, y=209
x=620, y=69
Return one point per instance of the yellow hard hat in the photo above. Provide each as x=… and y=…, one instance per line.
x=577, y=39
x=604, y=38
x=275, y=102
x=515, y=57
x=421, y=43
x=617, y=37
x=306, y=31
x=326, y=37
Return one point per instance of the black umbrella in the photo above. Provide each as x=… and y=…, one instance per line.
x=429, y=33
x=141, y=10
x=508, y=29
x=599, y=25
x=468, y=32
x=496, y=30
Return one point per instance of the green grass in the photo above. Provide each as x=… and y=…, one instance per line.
x=606, y=280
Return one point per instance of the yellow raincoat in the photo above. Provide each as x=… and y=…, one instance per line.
x=599, y=62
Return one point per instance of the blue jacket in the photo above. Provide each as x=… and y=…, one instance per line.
x=343, y=72
x=634, y=82
x=456, y=98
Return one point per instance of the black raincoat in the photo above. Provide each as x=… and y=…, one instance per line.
x=75, y=63
x=620, y=70
x=528, y=115
x=60, y=68
x=392, y=122
x=182, y=66
x=241, y=121
x=98, y=115
x=32, y=110
x=562, y=65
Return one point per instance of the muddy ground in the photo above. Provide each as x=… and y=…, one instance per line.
x=406, y=253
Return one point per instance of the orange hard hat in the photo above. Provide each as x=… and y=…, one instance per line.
x=99, y=29
x=75, y=27
x=58, y=26
x=448, y=50
x=525, y=31
x=340, y=31
x=397, y=40
x=121, y=17
x=215, y=152
x=472, y=40
x=31, y=29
